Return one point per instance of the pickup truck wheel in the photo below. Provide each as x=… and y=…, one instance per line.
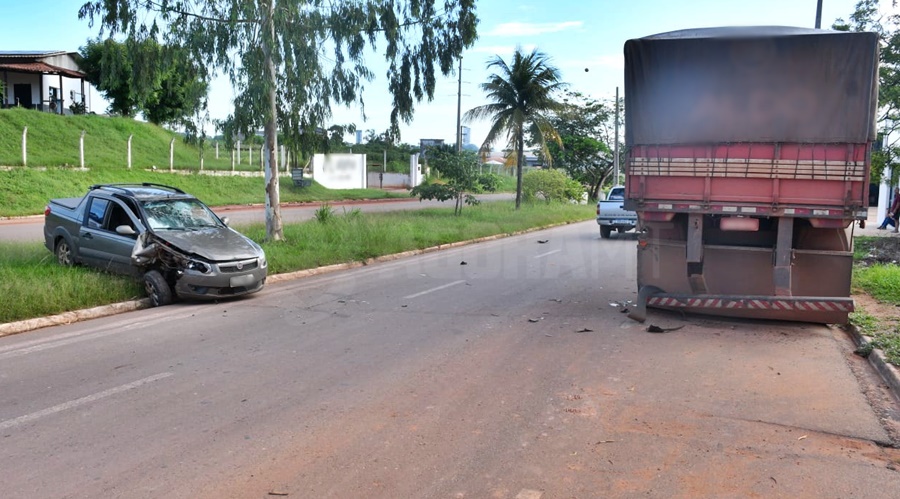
x=605, y=231
x=64, y=253
x=158, y=290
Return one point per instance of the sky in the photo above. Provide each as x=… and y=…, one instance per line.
x=584, y=39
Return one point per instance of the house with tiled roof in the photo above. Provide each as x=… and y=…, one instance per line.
x=44, y=80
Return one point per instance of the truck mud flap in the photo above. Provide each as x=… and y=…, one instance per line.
x=639, y=311
x=829, y=310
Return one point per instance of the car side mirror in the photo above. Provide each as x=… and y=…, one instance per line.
x=125, y=230
x=225, y=221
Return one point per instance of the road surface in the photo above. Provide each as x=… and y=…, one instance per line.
x=498, y=370
x=30, y=229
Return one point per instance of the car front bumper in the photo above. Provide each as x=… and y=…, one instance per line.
x=223, y=281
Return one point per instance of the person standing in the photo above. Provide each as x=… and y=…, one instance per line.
x=891, y=218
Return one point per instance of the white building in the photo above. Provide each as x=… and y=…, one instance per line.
x=44, y=80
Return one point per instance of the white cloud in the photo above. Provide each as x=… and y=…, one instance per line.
x=600, y=62
x=502, y=50
x=530, y=29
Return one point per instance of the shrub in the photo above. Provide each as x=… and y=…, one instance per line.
x=550, y=185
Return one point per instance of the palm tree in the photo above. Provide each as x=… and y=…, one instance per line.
x=522, y=95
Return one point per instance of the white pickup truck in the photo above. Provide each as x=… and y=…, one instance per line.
x=611, y=214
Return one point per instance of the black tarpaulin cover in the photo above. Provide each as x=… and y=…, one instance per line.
x=760, y=84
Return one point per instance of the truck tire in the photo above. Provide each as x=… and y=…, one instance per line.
x=605, y=231
x=158, y=290
x=64, y=253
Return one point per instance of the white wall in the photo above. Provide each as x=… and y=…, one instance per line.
x=340, y=171
x=415, y=170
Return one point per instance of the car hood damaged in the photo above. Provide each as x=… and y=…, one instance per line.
x=217, y=244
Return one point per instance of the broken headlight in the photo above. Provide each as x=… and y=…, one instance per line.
x=198, y=266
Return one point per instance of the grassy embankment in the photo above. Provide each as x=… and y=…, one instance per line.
x=877, y=274
x=32, y=284
x=53, y=156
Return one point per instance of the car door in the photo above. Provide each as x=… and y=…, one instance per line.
x=101, y=245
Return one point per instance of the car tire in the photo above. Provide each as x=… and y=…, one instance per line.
x=605, y=231
x=64, y=253
x=158, y=289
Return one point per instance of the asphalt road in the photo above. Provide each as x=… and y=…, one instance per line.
x=26, y=229
x=511, y=376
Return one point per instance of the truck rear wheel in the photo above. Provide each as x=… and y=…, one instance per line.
x=158, y=290
x=605, y=231
x=64, y=253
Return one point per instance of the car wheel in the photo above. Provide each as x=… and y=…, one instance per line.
x=605, y=231
x=158, y=290
x=64, y=253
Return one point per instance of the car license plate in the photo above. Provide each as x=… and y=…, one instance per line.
x=622, y=222
x=242, y=280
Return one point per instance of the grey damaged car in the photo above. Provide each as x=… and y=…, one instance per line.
x=170, y=239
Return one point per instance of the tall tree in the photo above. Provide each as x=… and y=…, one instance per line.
x=523, y=94
x=585, y=126
x=146, y=77
x=180, y=96
x=289, y=60
x=108, y=67
x=867, y=17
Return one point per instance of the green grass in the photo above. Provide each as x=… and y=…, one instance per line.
x=53, y=141
x=25, y=191
x=883, y=336
x=876, y=275
x=507, y=183
x=881, y=281
x=32, y=284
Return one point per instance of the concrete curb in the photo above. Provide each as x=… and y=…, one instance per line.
x=887, y=371
x=11, y=328
x=72, y=316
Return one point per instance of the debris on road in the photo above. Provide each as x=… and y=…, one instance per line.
x=536, y=320
x=543, y=241
x=656, y=329
x=605, y=442
x=463, y=262
x=804, y=437
x=557, y=300
x=585, y=330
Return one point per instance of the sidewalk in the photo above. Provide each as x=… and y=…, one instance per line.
x=872, y=223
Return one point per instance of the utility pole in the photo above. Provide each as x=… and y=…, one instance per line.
x=616, y=143
x=459, y=109
x=819, y=14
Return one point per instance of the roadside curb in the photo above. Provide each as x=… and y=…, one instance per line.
x=73, y=316
x=887, y=371
x=11, y=328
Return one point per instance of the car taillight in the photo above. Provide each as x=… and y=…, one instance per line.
x=46, y=210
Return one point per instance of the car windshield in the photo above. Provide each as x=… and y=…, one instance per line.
x=178, y=214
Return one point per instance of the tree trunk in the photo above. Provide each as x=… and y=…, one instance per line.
x=274, y=227
x=595, y=189
x=520, y=152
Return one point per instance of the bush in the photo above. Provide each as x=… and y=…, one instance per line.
x=550, y=185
